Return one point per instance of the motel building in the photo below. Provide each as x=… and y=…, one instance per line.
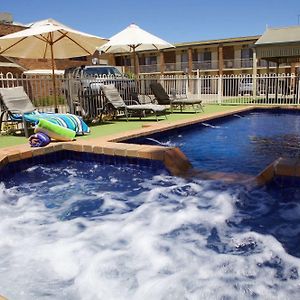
x=231, y=56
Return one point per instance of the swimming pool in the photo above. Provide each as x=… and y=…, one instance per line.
x=76, y=229
x=242, y=143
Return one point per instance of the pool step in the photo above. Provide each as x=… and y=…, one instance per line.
x=285, y=167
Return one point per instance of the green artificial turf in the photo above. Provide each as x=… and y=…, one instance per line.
x=121, y=125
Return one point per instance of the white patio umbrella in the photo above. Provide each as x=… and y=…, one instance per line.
x=49, y=39
x=133, y=39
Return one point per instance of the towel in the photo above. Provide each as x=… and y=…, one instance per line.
x=39, y=140
x=70, y=121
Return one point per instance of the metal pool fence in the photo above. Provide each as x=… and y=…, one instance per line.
x=83, y=96
x=267, y=89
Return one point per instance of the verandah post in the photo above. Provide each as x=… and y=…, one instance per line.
x=220, y=78
x=254, y=75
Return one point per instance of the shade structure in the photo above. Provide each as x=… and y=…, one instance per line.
x=280, y=45
x=49, y=39
x=133, y=39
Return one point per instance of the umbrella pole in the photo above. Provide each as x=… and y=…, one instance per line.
x=53, y=79
x=135, y=69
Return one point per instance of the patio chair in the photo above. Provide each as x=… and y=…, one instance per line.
x=163, y=98
x=17, y=107
x=115, y=102
x=15, y=103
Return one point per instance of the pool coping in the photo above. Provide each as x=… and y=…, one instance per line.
x=173, y=158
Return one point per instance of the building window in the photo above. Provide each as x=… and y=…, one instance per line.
x=246, y=53
x=204, y=56
x=151, y=60
x=195, y=55
x=246, y=56
x=123, y=61
x=207, y=55
x=204, y=59
x=127, y=61
x=184, y=57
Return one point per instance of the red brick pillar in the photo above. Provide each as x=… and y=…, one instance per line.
x=220, y=59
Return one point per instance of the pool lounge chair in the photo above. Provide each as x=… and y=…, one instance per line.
x=163, y=98
x=115, y=102
x=17, y=107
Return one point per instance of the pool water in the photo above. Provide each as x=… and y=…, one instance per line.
x=243, y=143
x=82, y=230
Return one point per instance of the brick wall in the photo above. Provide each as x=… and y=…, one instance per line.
x=10, y=28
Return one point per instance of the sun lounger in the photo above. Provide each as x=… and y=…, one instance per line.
x=19, y=108
x=163, y=98
x=115, y=102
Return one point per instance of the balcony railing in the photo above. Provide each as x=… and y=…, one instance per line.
x=263, y=63
x=179, y=66
x=149, y=68
x=245, y=63
x=237, y=63
x=205, y=65
x=170, y=67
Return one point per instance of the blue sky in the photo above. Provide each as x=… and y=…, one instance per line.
x=172, y=20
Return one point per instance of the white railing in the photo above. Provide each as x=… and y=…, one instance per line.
x=83, y=96
x=269, y=89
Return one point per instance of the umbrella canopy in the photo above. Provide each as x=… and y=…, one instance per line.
x=133, y=39
x=49, y=39
x=36, y=41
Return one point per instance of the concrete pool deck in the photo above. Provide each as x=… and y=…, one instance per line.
x=174, y=160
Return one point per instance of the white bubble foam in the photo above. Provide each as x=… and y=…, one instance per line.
x=210, y=125
x=174, y=244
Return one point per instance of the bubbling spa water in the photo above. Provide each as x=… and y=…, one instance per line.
x=78, y=230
